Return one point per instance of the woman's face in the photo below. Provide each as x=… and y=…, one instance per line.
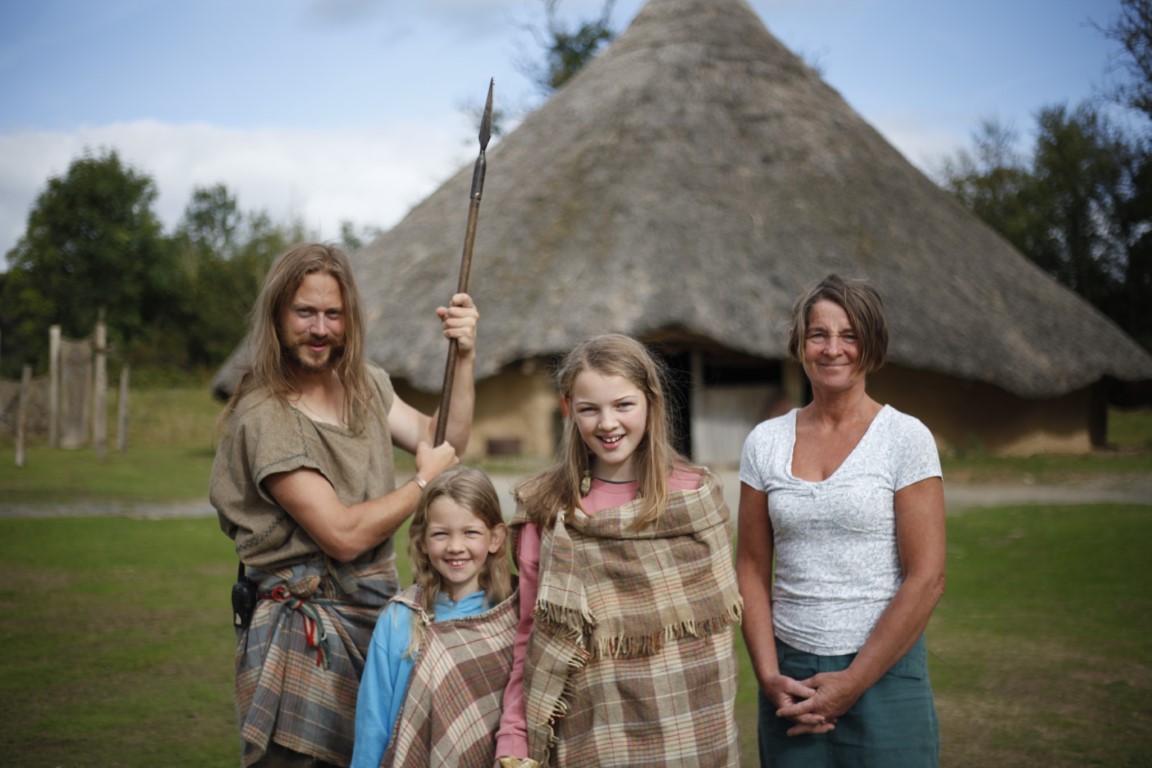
x=831, y=349
x=611, y=414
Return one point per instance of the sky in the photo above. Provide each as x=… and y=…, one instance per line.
x=326, y=111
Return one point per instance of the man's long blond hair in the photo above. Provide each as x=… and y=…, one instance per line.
x=271, y=369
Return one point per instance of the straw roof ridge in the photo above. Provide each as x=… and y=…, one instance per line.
x=697, y=175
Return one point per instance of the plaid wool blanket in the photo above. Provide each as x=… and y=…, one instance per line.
x=453, y=704
x=298, y=665
x=631, y=660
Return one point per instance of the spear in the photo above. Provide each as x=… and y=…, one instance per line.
x=466, y=259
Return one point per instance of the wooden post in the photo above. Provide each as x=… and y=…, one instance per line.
x=100, y=392
x=54, y=386
x=696, y=407
x=122, y=416
x=792, y=379
x=22, y=413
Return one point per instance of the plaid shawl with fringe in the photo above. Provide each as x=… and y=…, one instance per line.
x=456, y=691
x=631, y=660
x=298, y=665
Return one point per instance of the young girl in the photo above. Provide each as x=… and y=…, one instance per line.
x=441, y=652
x=628, y=596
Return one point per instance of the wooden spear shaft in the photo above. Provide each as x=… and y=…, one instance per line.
x=478, y=172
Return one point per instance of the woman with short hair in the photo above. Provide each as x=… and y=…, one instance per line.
x=840, y=556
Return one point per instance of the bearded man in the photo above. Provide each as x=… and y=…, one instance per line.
x=303, y=482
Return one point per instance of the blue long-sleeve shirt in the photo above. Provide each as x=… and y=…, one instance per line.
x=387, y=670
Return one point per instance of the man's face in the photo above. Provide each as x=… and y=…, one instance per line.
x=312, y=325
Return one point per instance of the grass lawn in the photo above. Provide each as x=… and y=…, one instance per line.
x=118, y=644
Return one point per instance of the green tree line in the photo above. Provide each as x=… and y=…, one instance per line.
x=172, y=302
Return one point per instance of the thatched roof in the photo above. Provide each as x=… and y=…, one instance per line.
x=696, y=176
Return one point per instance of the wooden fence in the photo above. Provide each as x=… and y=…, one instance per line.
x=70, y=406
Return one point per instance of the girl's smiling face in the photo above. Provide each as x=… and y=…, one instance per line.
x=458, y=544
x=611, y=414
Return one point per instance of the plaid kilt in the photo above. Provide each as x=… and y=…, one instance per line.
x=453, y=704
x=298, y=665
x=631, y=658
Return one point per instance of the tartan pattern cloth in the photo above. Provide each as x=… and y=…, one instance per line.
x=298, y=665
x=453, y=703
x=631, y=661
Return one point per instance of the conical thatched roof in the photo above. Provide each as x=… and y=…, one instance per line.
x=695, y=177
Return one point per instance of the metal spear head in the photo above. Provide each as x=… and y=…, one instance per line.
x=486, y=122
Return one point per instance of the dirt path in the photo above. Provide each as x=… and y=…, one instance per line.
x=1124, y=489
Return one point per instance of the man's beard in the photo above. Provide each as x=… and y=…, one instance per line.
x=296, y=355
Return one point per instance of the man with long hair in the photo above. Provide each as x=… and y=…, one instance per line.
x=303, y=482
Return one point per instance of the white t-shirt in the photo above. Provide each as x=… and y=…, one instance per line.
x=837, y=565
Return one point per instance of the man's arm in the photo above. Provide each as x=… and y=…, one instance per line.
x=342, y=531
x=409, y=427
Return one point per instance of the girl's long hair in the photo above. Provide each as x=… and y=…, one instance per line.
x=271, y=369
x=473, y=490
x=557, y=488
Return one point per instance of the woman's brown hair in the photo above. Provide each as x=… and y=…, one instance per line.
x=865, y=310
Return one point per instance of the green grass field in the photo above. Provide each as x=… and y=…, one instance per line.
x=118, y=644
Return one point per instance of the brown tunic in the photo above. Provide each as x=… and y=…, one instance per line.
x=264, y=437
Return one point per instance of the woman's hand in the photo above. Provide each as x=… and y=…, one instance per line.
x=788, y=694
x=834, y=693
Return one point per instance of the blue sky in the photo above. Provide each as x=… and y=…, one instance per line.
x=331, y=110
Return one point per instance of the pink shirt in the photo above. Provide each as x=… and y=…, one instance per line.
x=512, y=738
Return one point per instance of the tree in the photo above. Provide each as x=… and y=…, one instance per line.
x=1132, y=29
x=1081, y=205
x=353, y=239
x=565, y=52
x=92, y=243
x=1081, y=170
x=223, y=257
x=567, y=49
x=212, y=220
x=994, y=182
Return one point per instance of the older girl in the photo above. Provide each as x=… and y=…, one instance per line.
x=628, y=596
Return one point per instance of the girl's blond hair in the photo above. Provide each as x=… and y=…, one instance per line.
x=559, y=487
x=473, y=490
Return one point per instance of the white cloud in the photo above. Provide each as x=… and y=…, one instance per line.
x=370, y=176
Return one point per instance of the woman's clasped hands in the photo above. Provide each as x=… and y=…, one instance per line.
x=814, y=704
